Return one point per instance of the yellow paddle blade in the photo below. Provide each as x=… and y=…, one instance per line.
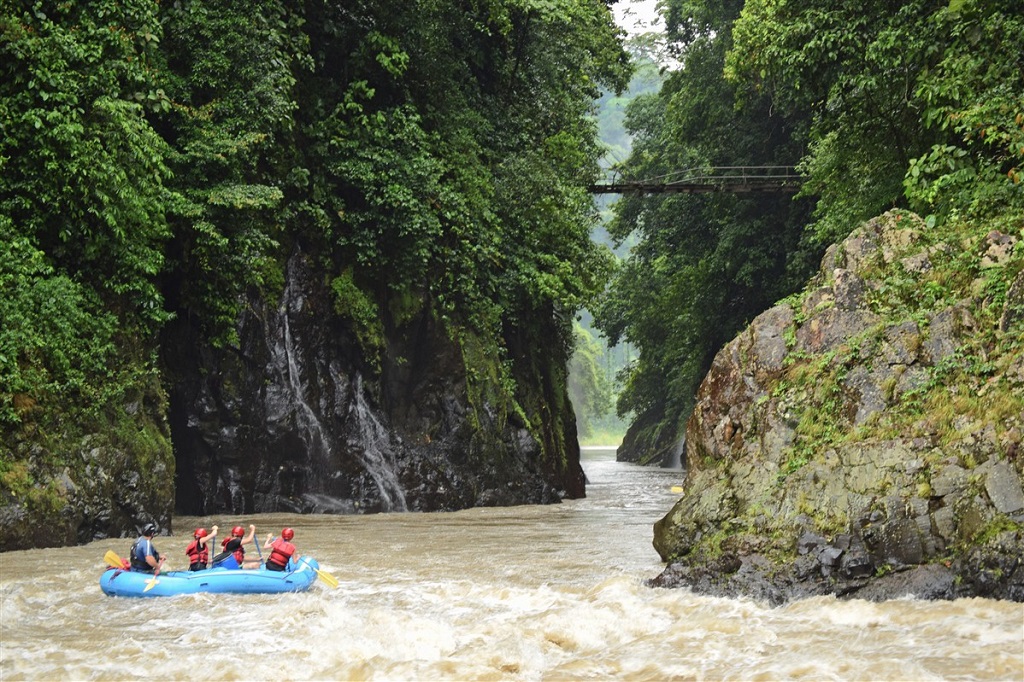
x=150, y=583
x=329, y=579
x=112, y=559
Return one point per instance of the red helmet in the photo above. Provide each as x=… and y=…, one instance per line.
x=200, y=533
x=237, y=531
x=287, y=533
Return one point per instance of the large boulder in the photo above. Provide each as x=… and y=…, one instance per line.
x=863, y=437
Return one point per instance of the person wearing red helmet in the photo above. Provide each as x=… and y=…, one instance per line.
x=281, y=550
x=234, y=549
x=198, y=550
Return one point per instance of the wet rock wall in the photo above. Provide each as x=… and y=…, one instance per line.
x=296, y=420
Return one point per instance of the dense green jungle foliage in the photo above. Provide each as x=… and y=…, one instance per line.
x=916, y=104
x=160, y=158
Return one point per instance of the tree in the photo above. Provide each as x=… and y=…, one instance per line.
x=589, y=386
x=230, y=71
x=891, y=88
x=453, y=149
x=82, y=188
x=973, y=101
x=704, y=264
x=82, y=171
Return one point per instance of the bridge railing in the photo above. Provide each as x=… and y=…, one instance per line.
x=708, y=179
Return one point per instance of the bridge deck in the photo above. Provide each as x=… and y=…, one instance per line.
x=692, y=187
x=737, y=179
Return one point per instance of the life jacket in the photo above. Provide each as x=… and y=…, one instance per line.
x=280, y=552
x=236, y=547
x=198, y=553
x=138, y=563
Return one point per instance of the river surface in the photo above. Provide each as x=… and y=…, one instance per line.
x=523, y=593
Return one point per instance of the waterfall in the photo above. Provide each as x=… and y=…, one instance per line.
x=674, y=458
x=373, y=446
x=370, y=442
x=310, y=427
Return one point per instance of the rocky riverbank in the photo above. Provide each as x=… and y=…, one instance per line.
x=863, y=438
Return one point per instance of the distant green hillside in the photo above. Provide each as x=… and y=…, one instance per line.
x=595, y=367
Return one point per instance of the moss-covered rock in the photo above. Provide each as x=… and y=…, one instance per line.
x=867, y=428
x=88, y=481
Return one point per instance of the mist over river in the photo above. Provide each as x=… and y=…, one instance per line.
x=521, y=593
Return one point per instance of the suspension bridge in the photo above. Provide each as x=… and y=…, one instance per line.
x=736, y=179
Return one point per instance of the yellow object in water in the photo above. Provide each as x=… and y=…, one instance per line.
x=677, y=488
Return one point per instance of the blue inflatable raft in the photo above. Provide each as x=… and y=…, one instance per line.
x=121, y=583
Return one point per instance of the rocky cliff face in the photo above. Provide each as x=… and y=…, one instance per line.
x=863, y=439
x=649, y=441
x=295, y=419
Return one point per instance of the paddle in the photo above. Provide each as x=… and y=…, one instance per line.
x=328, y=579
x=112, y=559
x=259, y=551
x=151, y=583
x=210, y=539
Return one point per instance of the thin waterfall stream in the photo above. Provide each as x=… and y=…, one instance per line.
x=370, y=441
x=310, y=426
x=372, y=450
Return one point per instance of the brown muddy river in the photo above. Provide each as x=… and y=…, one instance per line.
x=523, y=593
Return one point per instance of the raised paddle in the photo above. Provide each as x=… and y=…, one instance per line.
x=259, y=551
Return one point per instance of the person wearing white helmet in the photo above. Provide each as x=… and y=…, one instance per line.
x=143, y=555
